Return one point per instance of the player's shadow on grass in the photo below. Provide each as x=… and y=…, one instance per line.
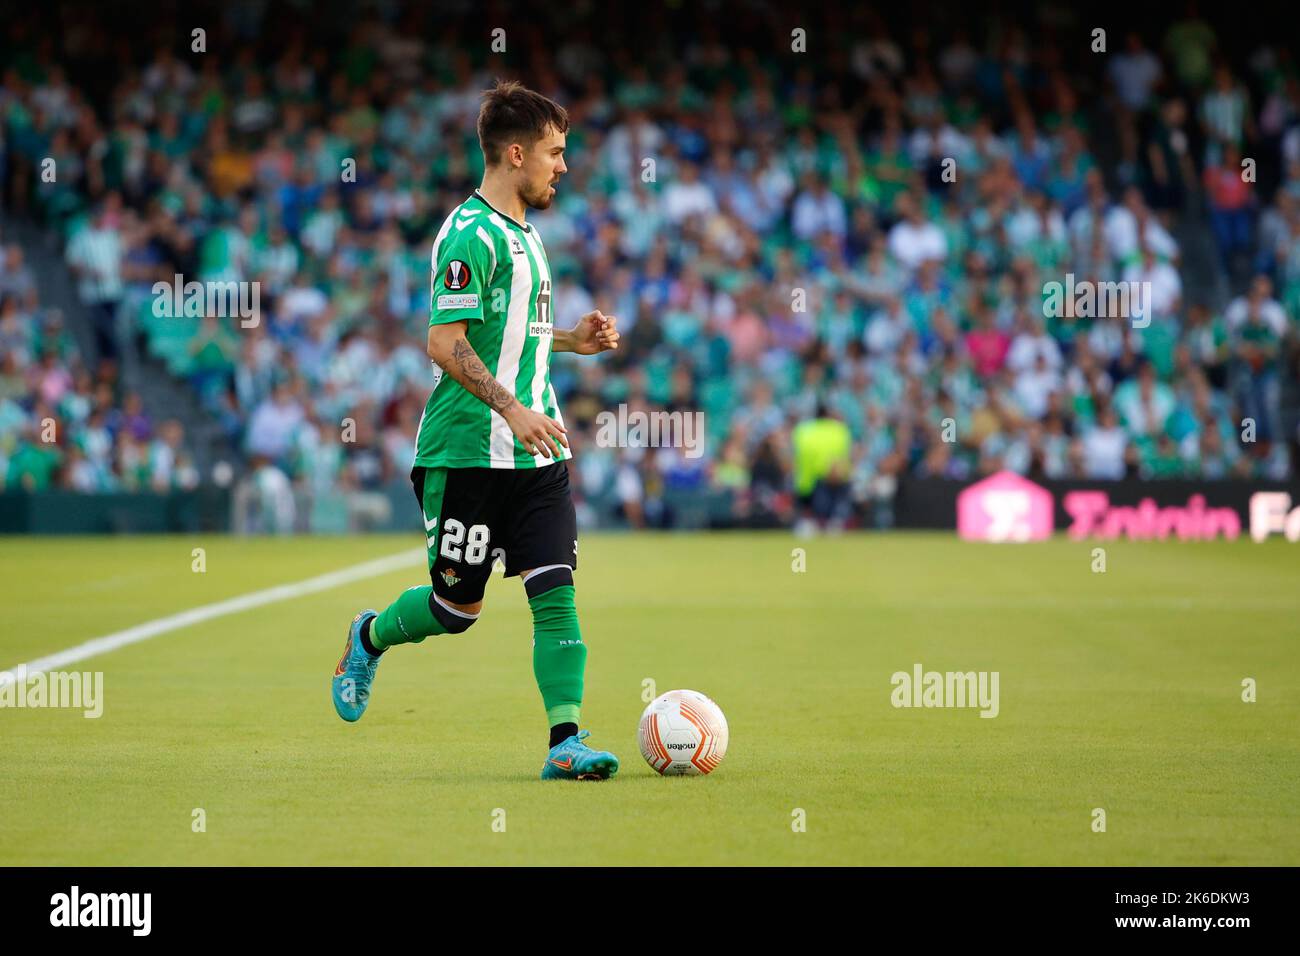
x=461, y=778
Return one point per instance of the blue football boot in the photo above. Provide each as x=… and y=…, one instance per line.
x=571, y=759
x=355, y=672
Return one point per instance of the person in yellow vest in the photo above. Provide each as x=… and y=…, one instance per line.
x=823, y=449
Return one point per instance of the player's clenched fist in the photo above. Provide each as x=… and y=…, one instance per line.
x=595, y=332
x=539, y=434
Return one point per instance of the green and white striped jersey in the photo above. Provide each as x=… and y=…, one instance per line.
x=491, y=272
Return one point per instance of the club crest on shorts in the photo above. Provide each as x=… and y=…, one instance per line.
x=450, y=577
x=457, y=275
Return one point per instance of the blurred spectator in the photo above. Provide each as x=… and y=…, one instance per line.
x=822, y=454
x=95, y=258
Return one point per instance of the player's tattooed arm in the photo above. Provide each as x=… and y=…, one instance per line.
x=538, y=434
x=470, y=371
x=451, y=350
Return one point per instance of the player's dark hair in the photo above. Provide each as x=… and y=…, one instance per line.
x=512, y=113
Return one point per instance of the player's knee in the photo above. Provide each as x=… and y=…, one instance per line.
x=540, y=580
x=455, y=620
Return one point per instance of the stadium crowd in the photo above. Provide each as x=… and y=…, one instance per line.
x=865, y=234
x=63, y=425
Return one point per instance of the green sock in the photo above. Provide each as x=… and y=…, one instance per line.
x=559, y=656
x=407, y=620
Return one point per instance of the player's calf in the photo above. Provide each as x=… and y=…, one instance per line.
x=559, y=664
x=416, y=614
x=559, y=656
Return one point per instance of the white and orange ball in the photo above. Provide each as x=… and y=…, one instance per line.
x=683, y=732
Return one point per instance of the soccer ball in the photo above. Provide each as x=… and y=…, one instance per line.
x=682, y=732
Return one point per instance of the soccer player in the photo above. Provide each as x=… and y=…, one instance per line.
x=490, y=450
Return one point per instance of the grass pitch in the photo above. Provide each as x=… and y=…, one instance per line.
x=1119, y=690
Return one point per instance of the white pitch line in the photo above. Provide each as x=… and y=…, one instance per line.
x=206, y=612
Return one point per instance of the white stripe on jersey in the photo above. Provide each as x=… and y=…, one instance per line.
x=542, y=354
x=501, y=446
x=550, y=401
x=492, y=251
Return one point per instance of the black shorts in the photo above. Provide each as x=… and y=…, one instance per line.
x=472, y=516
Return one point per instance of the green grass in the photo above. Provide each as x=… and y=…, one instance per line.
x=1119, y=690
